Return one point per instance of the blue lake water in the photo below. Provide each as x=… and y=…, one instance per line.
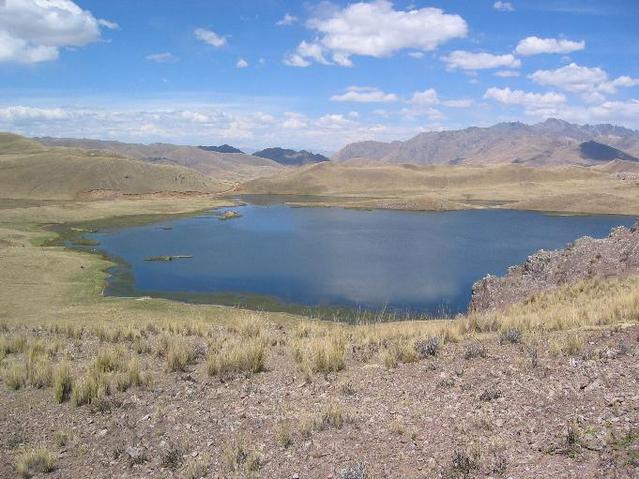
x=393, y=260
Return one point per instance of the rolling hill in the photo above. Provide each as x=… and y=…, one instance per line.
x=31, y=170
x=222, y=166
x=576, y=189
x=551, y=143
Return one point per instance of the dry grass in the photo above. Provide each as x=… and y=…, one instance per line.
x=240, y=357
x=35, y=461
x=62, y=382
x=179, y=354
x=91, y=389
x=239, y=460
x=324, y=354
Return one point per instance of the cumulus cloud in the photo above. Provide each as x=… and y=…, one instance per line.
x=33, y=31
x=365, y=95
x=460, y=59
x=537, y=46
x=241, y=63
x=528, y=99
x=377, y=30
x=164, y=57
x=591, y=82
x=210, y=37
x=287, y=20
x=426, y=97
x=503, y=6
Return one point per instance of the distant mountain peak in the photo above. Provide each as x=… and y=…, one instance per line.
x=290, y=157
x=221, y=149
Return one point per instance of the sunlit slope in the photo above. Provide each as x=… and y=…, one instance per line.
x=31, y=170
x=453, y=187
x=232, y=167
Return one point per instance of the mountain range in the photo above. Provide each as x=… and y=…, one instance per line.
x=551, y=143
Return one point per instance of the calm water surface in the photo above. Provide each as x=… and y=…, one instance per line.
x=407, y=261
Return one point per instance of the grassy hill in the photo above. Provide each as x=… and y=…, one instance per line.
x=34, y=171
x=221, y=165
x=574, y=188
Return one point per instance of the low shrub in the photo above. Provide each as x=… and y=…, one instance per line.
x=427, y=347
x=510, y=335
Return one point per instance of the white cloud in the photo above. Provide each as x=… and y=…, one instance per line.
x=26, y=113
x=426, y=97
x=194, y=117
x=503, y=6
x=478, y=61
x=592, y=83
x=288, y=19
x=507, y=73
x=210, y=37
x=365, y=95
x=241, y=63
x=416, y=54
x=33, y=31
x=528, y=99
x=375, y=29
x=536, y=46
x=164, y=57
x=108, y=24
x=296, y=60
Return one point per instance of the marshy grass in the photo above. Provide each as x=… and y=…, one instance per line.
x=242, y=357
x=35, y=461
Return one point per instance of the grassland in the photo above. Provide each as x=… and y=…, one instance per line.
x=149, y=387
x=29, y=170
x=436, y=188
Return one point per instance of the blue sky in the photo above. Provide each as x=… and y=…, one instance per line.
x=311, y=74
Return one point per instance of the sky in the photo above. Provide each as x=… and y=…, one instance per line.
x=311, y=74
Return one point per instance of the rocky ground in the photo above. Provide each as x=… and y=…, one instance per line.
x=614, y=256
x=509, y=407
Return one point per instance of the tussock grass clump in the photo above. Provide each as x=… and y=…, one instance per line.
x=398, y=353
x=35, y=461
x=91, y=389
x=15, y=376
x=131, y=377
x=109, y=360
x=38, y=368
x=13, y=344
x=321, y=355
x=246, y=357
x=62, y=383
x=332, y=415
x=570, y=344
x=248, y=327
x=179, y=354
x=284, y=435
x=239, y=460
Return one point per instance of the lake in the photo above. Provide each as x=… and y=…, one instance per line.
x=278, y=257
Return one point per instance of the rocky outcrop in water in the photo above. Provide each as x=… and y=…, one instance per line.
x=614, y=256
